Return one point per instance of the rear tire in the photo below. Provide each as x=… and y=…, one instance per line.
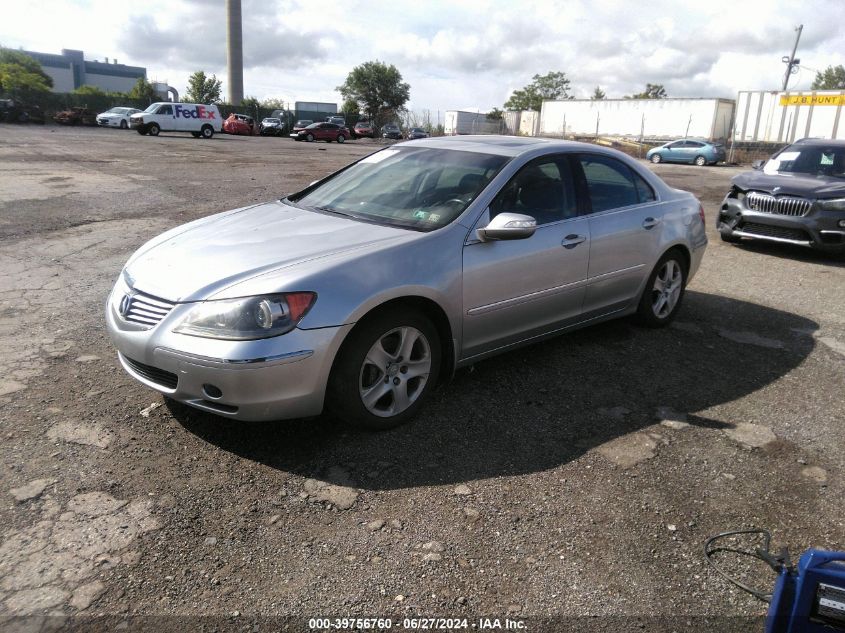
x=341, y=138
x=195, y=134
x=385, y=370
x=664, y=291
x=700, y=161
x=656, y=158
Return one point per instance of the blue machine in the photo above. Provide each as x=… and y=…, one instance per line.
x=807, y=598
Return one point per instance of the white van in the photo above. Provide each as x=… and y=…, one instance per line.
x=197, y=118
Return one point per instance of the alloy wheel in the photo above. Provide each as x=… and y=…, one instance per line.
x=667, y=289
x=395, y=371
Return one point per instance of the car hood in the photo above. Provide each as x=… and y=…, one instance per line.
x=197, y=260
x=804, y=185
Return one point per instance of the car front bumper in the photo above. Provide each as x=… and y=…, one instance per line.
x=270, y=379
x=817, y=229
x=108, y=122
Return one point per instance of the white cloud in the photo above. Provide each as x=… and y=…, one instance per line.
x=452, y=53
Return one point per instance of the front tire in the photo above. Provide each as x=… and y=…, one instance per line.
x=123, y=125
x=385, y=370
x=154, y=129
x=656, y=158
x=664, y=291
x=207, y=131
x=700, y=161
x=341, y=138
x=309, y=138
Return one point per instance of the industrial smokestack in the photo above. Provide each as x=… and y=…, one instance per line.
x=234, y=41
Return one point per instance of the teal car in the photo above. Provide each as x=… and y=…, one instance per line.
x=688, y=150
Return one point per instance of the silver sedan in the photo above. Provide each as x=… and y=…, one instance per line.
x=363, y=291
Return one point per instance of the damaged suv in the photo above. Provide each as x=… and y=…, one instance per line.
x=796, y=197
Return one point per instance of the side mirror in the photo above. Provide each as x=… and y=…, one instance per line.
x=758, y=164
x=508, y=226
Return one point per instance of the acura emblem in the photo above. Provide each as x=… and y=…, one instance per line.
x=125, y=304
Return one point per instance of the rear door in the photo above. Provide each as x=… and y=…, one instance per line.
x=625, y=223
x=518, y=289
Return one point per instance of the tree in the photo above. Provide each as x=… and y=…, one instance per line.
x=378, y=90
x=143, y=91
x=553, y=85
x=495, y=114
x=273, y=104
x=22, y=74
x=350, y=106
x=202, y=89
x=833, y=78
x=598, y=94
x=652, y=91
x=250, y=104
x=90, y=90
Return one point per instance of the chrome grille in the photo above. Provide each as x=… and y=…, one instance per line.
x=144, y=309
x=780, y=205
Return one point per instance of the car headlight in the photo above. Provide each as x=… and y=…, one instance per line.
x=835, y=204
x=247, y=318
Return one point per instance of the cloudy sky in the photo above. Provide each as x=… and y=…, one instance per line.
x=456, y=54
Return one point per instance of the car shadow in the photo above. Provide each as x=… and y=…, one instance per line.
x=536, y=408
x=791, y=251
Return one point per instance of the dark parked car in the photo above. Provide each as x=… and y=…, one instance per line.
x=796, y=197
x=417, y=132
x=301, y=125
x=337, y=120
x=688, y=150
x=12, y=111
x=271, y=126
x=391, y=130
x=322, y=132
x=364, y=128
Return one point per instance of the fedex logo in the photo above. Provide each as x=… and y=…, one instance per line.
x=194, y=113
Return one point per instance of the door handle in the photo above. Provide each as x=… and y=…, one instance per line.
x=571, y=241
x=650, y=223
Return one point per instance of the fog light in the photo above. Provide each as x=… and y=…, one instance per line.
x=212, y=392
x=842, y=224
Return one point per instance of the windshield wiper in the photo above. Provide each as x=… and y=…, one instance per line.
x=327, y=209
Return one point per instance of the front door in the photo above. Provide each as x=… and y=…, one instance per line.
x=518, y=289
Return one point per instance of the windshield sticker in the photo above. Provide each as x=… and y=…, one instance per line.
x=827, y=158
x=379, y=156
x=419, y=214
x=434, y=217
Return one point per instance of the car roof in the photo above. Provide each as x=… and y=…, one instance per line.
x=826, y=142
x=504, y=145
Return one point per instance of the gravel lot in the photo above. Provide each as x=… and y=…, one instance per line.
x=578, y=477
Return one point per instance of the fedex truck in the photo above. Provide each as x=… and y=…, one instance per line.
x=199, y=119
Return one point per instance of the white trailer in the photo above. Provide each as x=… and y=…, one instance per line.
x=463, y=122
x=649, y=118
x=784, y=117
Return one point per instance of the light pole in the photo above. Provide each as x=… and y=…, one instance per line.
x=791, y=62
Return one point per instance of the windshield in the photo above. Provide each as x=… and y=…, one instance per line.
x=417, y=188
x=118, y=110
x=153, y=107
x=303, y=123
x=272, y=121
x=804, y=159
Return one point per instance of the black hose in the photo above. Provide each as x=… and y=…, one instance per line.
x=760, y=595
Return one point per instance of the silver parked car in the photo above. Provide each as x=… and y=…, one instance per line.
x=368, y=287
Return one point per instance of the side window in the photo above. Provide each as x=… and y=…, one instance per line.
x=165, y=109
x=609, y=182
x=543, y=189
x=676, y=145
x=644, y=189
x=694, y=144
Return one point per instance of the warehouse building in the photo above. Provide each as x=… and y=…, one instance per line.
x=69, y=71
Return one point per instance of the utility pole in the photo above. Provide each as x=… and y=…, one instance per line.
x=791, y=62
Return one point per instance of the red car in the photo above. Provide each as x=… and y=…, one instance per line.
x=322, y=132
x=239, y=124
x=364, y=128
